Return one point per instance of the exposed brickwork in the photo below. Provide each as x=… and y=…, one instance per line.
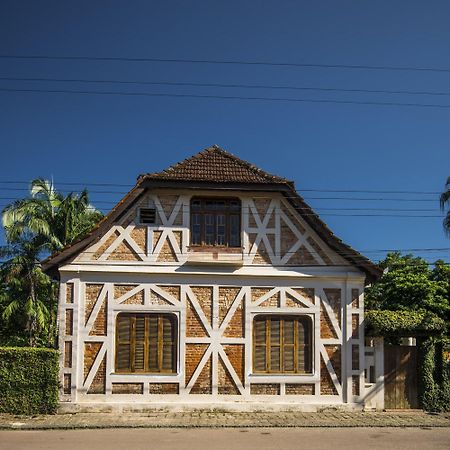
x=68, y=354
x=69, y=293
x=204, y=297
x=294, y=219
x=355, y=326
x=355, y=385
x=257, y=292
x=264, y=389
x=299, y=389
x=91, y=350
x=306, y=293
x=102, y=249
x=67, y=384
x=174, y=291
x=227, y=296
x=355, y=357
x=203, y=384
x=236, y=326
x=100, y=326
x=168, y=203
x=326, y=383
x=302, y=257
x=122, y=289
x=355, y=298
x=334, y=353
x=167, y=253
x=273, y=301
x=236, y=356
x=226, y=384
x=127, y=388
x=326, y=327
x=123, y=252
x=194, y=353
x=318, y=250
x=69, y=322
x=98, y=385
x=334, y=299
x=139, y=235
x=156, y=299
x=262, y=205
x=261, y=255
x=92, y=293
x=164, y=388
x=194, y=326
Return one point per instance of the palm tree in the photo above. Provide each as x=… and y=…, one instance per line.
x=27, y=293
x=55, y=220
x=445, y=202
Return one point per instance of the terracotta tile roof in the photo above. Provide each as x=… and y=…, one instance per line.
x=215, y=165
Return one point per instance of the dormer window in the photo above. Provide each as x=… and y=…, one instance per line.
x=147, y=216
x=216, y=222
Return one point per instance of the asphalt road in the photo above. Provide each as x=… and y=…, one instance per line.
x=229, y=439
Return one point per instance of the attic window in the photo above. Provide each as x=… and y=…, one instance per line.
x=147, y=215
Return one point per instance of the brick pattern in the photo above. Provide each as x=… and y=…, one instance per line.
x=127, y=388
x=355, y=326
x=69, y=293
x=204, y=296
x=334, y=353
x=174, y=291
x=258, y=292
x=91, y=297
x=91, y=350
x=156, y=299
x=164, y=388
x=264, y=389
x=272, y=302
x=334, y=299
x=100, y=326
x=122, y=289
x=294, y=219
x=355, y=298
x=139, y=235
x=167, y=253
x=236, y=356
x=203, y=384
x=261, y=255
x=355, y=357
x=318, y=250
x=168, y=203
x=326, y=327
x=67, y=384
x=326, y=383
x=123, y=252
x=226, y=384
x=102, y=249
x=98, y=385
x=194, y=326
x=68, y=354
x=299, y=389
x=194, y=353
x=355, y=385
x=69, y=322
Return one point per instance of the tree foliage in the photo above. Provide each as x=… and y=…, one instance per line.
x=35, y=226
x=445, y=204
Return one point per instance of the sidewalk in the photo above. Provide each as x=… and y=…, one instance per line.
x=220, y=419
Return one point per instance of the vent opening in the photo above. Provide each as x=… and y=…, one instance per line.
x=147, y=215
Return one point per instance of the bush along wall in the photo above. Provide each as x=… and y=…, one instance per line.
x=434, y=375
x=28, y=380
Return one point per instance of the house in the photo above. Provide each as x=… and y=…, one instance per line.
x=212, y=283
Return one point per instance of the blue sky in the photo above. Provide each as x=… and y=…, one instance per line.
x=80, y=138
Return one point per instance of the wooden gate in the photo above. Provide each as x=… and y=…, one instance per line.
x=400, y=379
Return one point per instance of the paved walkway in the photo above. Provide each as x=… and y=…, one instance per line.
x=220, y=419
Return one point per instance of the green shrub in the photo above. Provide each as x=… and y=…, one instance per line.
x=28, y=380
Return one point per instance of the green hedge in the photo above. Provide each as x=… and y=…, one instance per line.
x=28, y=380
x=402, y=323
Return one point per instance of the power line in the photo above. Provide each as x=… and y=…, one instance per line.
x=223, y=85
x=227, y=62
x=226, y=97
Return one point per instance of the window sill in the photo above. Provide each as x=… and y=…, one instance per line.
x=284, y=377
x=215, y=255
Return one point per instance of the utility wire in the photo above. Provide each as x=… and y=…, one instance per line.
x=227, y=62
x=223, y=85
x=226, y=97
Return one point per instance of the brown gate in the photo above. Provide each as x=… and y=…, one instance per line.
x=400, y=379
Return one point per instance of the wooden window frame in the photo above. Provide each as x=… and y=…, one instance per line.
x=132, y=342
x=308, y=347
x=227, y=212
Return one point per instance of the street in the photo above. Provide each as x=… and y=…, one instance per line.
x=234, y=438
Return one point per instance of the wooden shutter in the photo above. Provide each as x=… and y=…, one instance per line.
x=139, y=343
x=123, y=354
x=259, y=339
x=153, y=357
x=275, y=344
x=289, y=345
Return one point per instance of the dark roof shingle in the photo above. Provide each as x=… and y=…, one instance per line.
x=215, y=165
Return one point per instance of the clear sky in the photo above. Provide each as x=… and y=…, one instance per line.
x=89, y=139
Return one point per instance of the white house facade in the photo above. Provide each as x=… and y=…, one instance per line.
x=214, y=284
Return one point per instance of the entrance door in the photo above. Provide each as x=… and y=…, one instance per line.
x=400, y=379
